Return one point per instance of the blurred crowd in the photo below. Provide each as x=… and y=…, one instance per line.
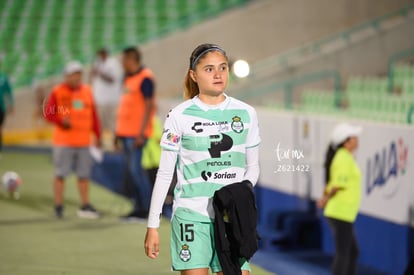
x=107, y=107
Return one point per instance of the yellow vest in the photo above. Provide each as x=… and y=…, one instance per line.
x=151, y=153
x=346, y=174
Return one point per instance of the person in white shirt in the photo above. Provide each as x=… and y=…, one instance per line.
x=106, y=76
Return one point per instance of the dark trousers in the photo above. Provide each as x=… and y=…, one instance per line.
x=141, y=187
x=346, y=247
x=410, y=268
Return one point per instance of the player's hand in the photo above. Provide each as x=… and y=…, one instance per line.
x=152, y=243
x=139, y=141
x=321, y=203
x=335, y=190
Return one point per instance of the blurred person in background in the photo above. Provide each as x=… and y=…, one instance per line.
x=6, y=103
x=151, y=153
x=151, y=156
x=71, y=108
x=106, y=76
x=134, y=127
x=342, y=196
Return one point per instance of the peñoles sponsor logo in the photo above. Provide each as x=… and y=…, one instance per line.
x=206, y=175
x=219, y=163
x=389, y=162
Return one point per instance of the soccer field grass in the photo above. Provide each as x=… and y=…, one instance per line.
x=32, y=241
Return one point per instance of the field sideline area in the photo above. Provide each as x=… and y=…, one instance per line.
x=33, y=242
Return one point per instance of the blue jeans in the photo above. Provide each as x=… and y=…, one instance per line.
x=140, y=183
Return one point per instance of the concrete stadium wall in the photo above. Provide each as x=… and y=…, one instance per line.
x=258, y=30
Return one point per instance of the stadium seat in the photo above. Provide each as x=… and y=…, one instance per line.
x=318, y=101
x=76, y=28
x=368, y=97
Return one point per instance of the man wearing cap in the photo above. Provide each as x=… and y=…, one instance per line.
x=71, y=108
x=343, y=196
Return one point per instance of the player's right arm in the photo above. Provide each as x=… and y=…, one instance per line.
x=162, y=184
x=170, y=144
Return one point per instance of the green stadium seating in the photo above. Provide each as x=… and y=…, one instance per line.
x=318, y=101
x=49, y=32
x=404, y=78
x=368, y=98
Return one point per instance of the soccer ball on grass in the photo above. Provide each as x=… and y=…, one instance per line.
x=11, y=183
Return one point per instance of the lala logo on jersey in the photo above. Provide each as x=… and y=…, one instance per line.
x=237, y=125
x=185, y=254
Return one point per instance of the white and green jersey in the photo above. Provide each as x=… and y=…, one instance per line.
x=211, y=143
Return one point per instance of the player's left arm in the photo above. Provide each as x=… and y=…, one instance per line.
x=252, y=165
x=252, y=150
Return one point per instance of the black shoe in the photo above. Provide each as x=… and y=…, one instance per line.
x=140, y=217
x=59, y=211
x=87, y=211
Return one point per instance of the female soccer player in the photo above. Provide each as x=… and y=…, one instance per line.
x=211, y=140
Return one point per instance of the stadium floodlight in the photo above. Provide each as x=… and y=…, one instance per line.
x=241, y=68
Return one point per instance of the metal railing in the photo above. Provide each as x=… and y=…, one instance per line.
x=288, y=85
x=342, y=39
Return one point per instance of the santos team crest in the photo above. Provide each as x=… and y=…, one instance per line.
x=237, y=125
x=185, y=254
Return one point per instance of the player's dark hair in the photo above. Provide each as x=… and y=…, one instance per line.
x=190, y=86
x=133, y=52
x=330, y=154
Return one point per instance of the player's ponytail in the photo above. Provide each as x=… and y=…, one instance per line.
x=190, y=86
x=329, y=156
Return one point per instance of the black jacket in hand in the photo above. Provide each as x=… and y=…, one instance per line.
x=235, y=225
